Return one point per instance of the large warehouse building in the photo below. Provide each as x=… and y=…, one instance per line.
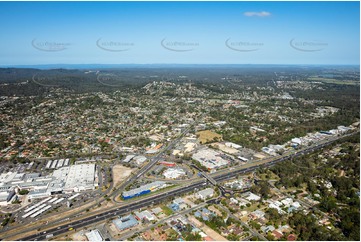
x=210, y=159
x=80, y=178
x=147, y=188
x=66, y=179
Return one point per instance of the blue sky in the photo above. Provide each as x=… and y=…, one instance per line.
x=179, y=32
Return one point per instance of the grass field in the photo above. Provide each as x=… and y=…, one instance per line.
x=167, y=211
x=207, y=136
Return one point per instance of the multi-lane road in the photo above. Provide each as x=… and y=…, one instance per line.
x=196, y=184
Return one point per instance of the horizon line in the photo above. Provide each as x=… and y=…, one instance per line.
x=179, y=64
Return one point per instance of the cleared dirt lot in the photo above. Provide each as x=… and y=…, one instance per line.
x=120, y=173
x=207, y=136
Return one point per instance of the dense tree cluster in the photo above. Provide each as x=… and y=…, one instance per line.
x=342, y=202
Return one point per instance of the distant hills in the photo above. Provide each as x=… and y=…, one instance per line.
x=113, y=66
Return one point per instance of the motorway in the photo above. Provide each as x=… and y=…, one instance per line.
x=137, y=204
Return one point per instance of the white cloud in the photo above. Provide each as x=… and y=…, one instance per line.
x=257, y=14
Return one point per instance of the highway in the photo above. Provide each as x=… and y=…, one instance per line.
x=137, y=204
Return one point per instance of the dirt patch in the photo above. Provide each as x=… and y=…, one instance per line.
x=79, y=236
x=120, y=173
x=104, y=205
x=208, y=136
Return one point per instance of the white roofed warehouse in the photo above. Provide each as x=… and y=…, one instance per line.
x=206, y=193
x=80, y=178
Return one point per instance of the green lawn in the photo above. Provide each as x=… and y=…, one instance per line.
x=167, y=211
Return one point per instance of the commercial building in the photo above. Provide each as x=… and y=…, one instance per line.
x=66, y=179
x=210, y=159
x=296, y=141
x=269, y=151
x=147, y=188
x=125, y=222
x=189, y=147
x=7, y=197
x=206, y=193
x=128, y=158
x=232, y=145
x=173, y=173
x=343, y=129
x=144, y=215
x=80, y=178
x=7, y=177
x=94, y=235
x=36, y=194
x=251, y=196
x=54, y=164
x=139, y=160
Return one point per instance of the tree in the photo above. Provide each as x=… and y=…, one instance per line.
x=262, y=188
x=270, y=237
x=23, y=192
x=233, y=237
x=273, y=214
x=328, y=204
x=192, y=236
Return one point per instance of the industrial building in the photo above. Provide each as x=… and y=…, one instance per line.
x=147, y=188
x=66, y=179
x=125, y=222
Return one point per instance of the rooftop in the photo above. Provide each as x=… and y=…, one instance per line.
x=94, y=235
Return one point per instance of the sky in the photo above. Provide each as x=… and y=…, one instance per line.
x=179, y=33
